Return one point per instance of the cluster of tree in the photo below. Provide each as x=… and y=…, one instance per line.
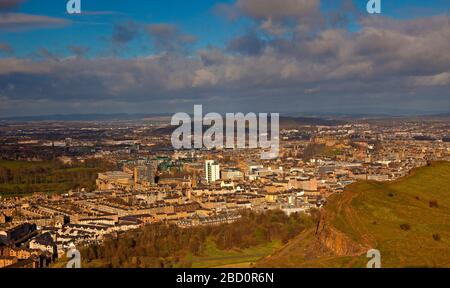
x=160, y=245
x=313, y=150
x=18, y=178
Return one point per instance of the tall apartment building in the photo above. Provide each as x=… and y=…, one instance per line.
x=212, y=171
x=152, y=167
x=145, y=171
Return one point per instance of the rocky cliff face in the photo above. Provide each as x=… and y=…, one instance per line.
x=329, y=240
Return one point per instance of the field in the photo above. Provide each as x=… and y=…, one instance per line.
x=213, y=257
x=407, y=220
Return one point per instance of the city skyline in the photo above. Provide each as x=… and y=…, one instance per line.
x=240, y=134
x=299, y=56
x=118, y=194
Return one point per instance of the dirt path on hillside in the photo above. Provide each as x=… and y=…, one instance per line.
x=352, y=219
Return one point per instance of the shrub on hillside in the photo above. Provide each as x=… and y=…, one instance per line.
x=437, y=237
x=434, y=204
x=405, y=226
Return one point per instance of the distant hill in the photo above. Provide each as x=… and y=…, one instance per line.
x=84, y=117
x=293, y=122
x=286, y=119
x=407, y=220
x=285, y=123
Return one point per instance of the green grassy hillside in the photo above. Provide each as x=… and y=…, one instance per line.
x=407, y=220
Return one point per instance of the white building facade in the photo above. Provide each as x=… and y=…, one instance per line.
x=212, y=171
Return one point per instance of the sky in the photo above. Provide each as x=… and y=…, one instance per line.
x=165, y=56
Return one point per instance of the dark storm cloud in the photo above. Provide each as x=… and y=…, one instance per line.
x=6, y=48
x=10, y=4
x=78, y=51
x=386, y=64
x=212, y=56
x=168, y=38
x=44, y=53
x=10, y=21
x=277, y=17
x=279, y=10
x=19, y=22
x=344, y=14
x=249, y=44
x=124, y=33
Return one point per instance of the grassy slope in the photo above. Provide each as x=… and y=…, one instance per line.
x=214, y=257
x=370, y=213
